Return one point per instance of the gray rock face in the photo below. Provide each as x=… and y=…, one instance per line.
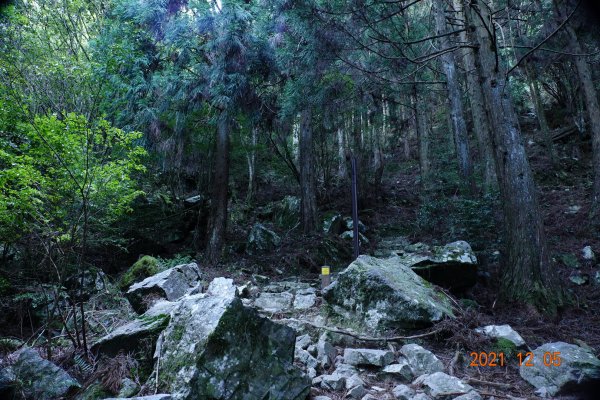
x=442, y=386
x=129, y=337
x=222, y=287
x=384, y=293
x=420, y=360
x=40, y=379
x=578, y=367
x=452, y=266
x=333, y=382
x=261, y=239
x=304, y=299
x=169, y=285
x=333, y=224
x=588, y=254
x=205, y=353
x=502, y=332
x=377, y=358
x=274, y=302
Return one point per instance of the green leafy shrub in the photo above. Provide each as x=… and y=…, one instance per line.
x=177, y=259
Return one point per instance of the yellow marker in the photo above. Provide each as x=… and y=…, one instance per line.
x=324, y=270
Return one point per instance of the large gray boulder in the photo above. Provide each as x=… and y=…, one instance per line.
x=578, y=368
x=41, y=379
x=385, y=294
x=453, y=266
x=215, y=348
x=136, y=333
x=169, y=285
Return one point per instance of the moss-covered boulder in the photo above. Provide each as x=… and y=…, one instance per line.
x=261, y=239
x=286, y=212
x=142, y=269
x=383, y=294
x=40, y=379
x=168, y=285
x=333, y=223
x=215, y=348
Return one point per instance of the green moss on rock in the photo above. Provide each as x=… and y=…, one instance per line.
x=142, y=269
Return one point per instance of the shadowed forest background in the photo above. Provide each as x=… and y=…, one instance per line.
x=140, y=135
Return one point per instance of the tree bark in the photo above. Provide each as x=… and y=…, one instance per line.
x=527, y=275
x=457, y=115
x=536, y=99
x=220, y=199
x=593, y=111
x=308, y=197
x=481, y=123
x=251, y=158
x=341, y=142
x=422, y=129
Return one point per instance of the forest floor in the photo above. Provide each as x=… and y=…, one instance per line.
x=395, y=209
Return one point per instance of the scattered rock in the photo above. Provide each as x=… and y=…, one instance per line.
x=442, y=386
x=261, y=239
x=401, y=372
x=472, y=395
x=597, y=277
x=41, y=379
x=570, y=260
x=303, y=341
x=326, y=353
x=322, y=398
x=349, y=235
x=274, y=302
x=8, y=383
x=588, y=254
x=421, y=396
x=452, y=266
x=169, y=285
x=573, y=209
x=305, y=299
x=349, y=225
x=403, y=392
x=128, y=388
x=152, y=397
x=384, y=293
x=391, y=246
x=203, y=353
x=346, y=370
x=377, y=358
x=420, y=360
x=578, y=367
x=132, y=336
x=333, y=224
x=333, y=382
x=356, y=392
x=505, y=332
x=580, y=279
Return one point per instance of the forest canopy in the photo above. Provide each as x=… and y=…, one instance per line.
x=157, y=132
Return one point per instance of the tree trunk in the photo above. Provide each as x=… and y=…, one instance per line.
x=481, y=123
x=593, y=110
x=422, y=129
x=220, y=184
x=527, y=276
x=341, y=142
x=251, y=158
x=457, y=115
x=308, y=197
x=536, y=99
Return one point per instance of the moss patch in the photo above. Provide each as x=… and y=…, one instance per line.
x=142, y=269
